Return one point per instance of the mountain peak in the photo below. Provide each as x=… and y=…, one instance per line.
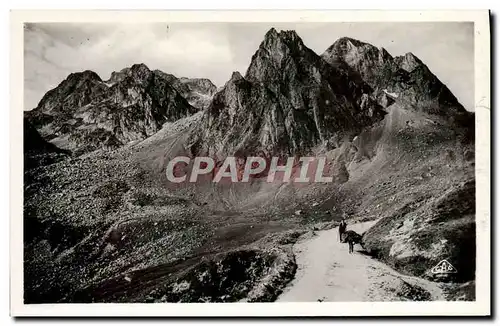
x=138, y=71
x=408, y=62
x=289, y=35
x=346, y=40
x=85, y=75
x=139, y=67
x=351, y=46
x=274, y=39
x=406, y=75
x=356, y=54
x=411, y=56
x=272, y=33
x=84, y=82
x=273, y=52
x=236, y=76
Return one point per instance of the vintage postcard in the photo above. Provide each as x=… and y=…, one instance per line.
x=260, y=163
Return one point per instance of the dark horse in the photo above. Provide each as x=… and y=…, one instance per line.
x=352, y=238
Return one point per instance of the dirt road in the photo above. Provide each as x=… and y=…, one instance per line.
x=327, y=272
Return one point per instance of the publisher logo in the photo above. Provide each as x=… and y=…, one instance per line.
x=443, y=267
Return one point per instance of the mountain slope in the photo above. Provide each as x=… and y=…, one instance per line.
x=37, y=151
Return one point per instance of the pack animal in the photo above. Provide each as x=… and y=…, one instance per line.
x=352, y=238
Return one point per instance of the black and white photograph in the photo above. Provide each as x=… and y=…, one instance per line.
x=250, y=162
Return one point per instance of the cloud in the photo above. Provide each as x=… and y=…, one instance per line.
x=214, y=50
x=52, y=51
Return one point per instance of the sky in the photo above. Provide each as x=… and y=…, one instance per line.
x=214, y=50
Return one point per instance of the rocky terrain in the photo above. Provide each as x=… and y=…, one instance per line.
x=103, y=224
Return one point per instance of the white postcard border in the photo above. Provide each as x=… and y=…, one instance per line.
x=482, y=305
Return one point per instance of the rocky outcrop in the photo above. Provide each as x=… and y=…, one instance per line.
x=84, y=113
x=407, y=76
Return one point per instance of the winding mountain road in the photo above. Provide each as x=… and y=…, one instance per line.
x=327, y=272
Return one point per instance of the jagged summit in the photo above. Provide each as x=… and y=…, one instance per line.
x=277, y=53
x=139, y=66
x=86, y=83
x=138, y=72
x=284, y=34
x=278, y=41
x=345, y=41
x=76, y=78
x=87, y=74
x=236, y=75
x=271, y=33
x=288, y=35
x=274, y=51
x=352, y=43
x=136, y=67
x=289, y=100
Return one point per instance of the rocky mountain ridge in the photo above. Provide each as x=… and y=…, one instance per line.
x=406, y=76
x=106, y=226
x=84, y=113
x=37, y=151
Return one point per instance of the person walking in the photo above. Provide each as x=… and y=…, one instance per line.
x=342, y=228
